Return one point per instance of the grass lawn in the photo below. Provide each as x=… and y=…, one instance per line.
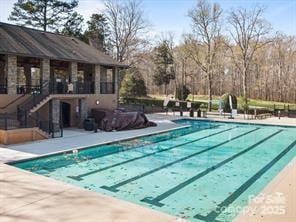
x=252, y=102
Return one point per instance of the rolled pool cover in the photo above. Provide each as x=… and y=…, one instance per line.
x=110, y=120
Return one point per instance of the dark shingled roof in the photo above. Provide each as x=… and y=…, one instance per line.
x=29, y=42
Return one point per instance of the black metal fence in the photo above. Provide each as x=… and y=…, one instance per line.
x=75, y=88
x=3, y=88
x=107, y=87
x=9, y=121
x=84, y=87
x=21, y=120
x=25, y=89
x=291, y=111
x=54, y=130
x=58, y=87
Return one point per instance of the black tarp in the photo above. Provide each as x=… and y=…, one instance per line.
x=120, y=120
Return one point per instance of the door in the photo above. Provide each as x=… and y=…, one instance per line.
x=66, y=114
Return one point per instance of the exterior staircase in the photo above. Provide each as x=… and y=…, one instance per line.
x=41, y=103
x=46, y=99
x=27, y=120
x=27, y=114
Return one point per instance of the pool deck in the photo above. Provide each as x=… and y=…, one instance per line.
x=77, y=138
x=269, y=208
x=26, y=197
x=29, y=197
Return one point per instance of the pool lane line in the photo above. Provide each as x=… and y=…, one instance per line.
x=114, y=188
x=80, y=177
x=122, y=149
x=226, y=202
x=156, y=201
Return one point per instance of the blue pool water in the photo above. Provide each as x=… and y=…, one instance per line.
x=195, y=172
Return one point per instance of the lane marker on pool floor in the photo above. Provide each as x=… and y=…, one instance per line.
x=87, y=158
x=230, y=199
x=80, y=177
x=114, y=188
x=156, y=201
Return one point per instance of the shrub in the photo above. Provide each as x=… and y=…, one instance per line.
x=226, y=105
x=158, y=103
x=186, y=92
x=204, y=107
x=133, y=84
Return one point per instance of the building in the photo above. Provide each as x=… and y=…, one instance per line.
x=50, y=81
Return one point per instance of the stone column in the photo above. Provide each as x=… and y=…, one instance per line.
x=116, y=80
x=45, y=75
x=11, y=73
x=82, y=111
x=73, y=70
x=97, y=74
x=55, y=114
x=116, y=84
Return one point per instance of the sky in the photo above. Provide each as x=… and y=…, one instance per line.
x=171, y=15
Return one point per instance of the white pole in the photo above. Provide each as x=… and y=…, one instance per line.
x=230, y=104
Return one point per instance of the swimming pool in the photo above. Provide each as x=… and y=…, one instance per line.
x=197, y=172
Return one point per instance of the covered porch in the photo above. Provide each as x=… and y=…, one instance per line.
x=35, y=76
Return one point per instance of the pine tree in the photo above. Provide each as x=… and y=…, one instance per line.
x=73, y=26
x=163, y=61
x=97, y=32
x=43, y=14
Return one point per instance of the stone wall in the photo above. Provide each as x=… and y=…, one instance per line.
x=97, y=76
x=73, y=71
x=116, y=80
x=55, y=114
x=45, y=75
x=83, y=111
x=11, y=70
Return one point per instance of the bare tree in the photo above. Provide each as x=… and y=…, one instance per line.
x=248, y=30
x=206, y=19
x=127, y=27
x=272, y=73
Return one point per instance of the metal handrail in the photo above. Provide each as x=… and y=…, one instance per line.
x=25, y=89
x=12, y=102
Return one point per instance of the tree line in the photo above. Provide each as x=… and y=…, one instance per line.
x=233, y=52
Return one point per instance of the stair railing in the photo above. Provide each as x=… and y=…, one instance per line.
x=22, y=118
